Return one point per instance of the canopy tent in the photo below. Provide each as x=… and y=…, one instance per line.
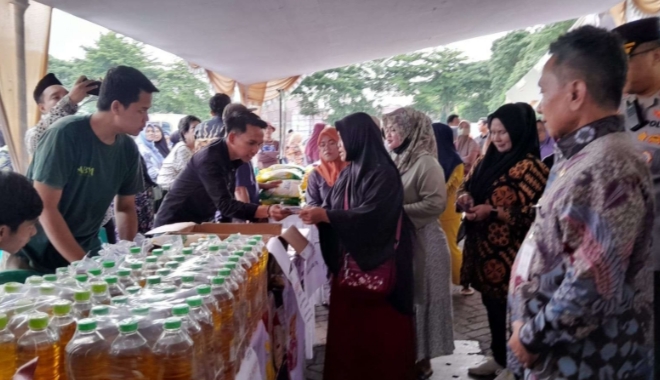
x=527, y=89
x=263, y=46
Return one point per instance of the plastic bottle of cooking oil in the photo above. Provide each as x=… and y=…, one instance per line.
x=82, y=304
x=133, y=290
x=87, y=353
x=187, y=252
x=137, y=274
x=226, y=343
x=188, y=281
x=113, y=286
x=153, y=283
x=238, y=276
x=179, y=258
x=47, y=295
x=50, y=278
x=254, y=287
x=203, y=316
x=194, y=330
x=82, y=281
x=248, y=285
x=151, y=266
x=174, y=353
x=124, y=278
x=42, y=342
x=108, y=267
x=100, y=294
x=104, y=323
x=7, y=350
x=130, y=355
x=135, y=253
x=65, y=325
x=18, y=324
x=32, y=283
x=95, y=273
x=209, y=301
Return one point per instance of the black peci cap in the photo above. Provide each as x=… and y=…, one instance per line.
x=638, y=32
x=49, y=80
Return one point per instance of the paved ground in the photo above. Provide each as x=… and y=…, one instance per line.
x=470, y=332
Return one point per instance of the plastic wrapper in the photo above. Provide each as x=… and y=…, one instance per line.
x=268, y=175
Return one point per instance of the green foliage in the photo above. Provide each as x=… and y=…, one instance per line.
x=181, y=91
x=440, y=81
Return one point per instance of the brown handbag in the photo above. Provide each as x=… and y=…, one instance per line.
x=376, y=283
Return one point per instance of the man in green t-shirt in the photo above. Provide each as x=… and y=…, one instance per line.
x=82, y=164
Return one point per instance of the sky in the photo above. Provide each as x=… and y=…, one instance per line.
x=70, y=33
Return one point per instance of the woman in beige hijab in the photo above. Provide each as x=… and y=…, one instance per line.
x=467, y=148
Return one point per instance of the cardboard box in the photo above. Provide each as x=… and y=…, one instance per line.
x=192, y=231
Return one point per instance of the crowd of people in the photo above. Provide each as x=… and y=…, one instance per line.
x=556, y=215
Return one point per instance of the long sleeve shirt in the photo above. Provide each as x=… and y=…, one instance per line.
x=33, y=135
x=206, y=184
x=581, y=282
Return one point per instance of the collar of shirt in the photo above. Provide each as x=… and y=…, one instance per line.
x=221, y=145
x=574, y=142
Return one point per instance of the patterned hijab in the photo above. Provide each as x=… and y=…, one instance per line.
x=330, y=170
x=415, y=130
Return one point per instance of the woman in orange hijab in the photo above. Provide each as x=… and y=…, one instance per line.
x=323, y=177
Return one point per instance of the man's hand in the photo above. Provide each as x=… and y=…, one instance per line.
x=527, y=359
x=314, y=215
x=278, y=213
x=269, y=185
x=478, y=213
x=80, y=89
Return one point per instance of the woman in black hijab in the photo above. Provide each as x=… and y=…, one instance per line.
x=368, y=338
x=498, y=197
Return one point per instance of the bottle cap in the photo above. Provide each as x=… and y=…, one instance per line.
x=188, y=278
x=234, y=259
x=13, y=287
x=142, y=311
x=100, y=310
x=187, y=251
x=3, y=321
x=99, y=287
x=61, y=307
x=239, y=253
x=38, y=321
x=180, y=310
x=62, y=270
x=224, y=272
x=111, y=280
x=108, y=264
x=168, y=289
x=203, y=290
x=218, y=280
x=172, y=264
x=153, y=280
x=87, y=325
x=128, y=326
x=151, y=259
x=136, y=266
x=34, y=280
x=163, y=272
x=179, y=258
x=81, y=277
x=214, y=248
x=124, y=272
x=50, y=278
x=194, y=301
x=173, y=323
x=47, y=289
x=251, y=243
x=247, y=248
x=167, y=247
x=136, y=250
x=157, y=252
x=133, y=289
x=82, y=295
x=95, y=271
x=257, y=237
x=120, y=300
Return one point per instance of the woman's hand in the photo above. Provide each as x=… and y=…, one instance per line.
x=478, y=213
x=465, y=202
x=278, y=213
x=314, y=215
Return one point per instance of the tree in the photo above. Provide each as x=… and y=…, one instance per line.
x=181, y=91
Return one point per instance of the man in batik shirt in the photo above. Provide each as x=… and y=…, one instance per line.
x=579, y=297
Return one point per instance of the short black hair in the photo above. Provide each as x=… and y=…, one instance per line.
x=451, y=118
x=218, y=103
x=19, y=201
x=237, y=117
x=123, y=84
x=595, y=56
x=184, y=123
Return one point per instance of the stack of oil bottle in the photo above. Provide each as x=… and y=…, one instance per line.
x=172, y=313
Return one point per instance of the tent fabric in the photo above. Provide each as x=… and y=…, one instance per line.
x=254, y=94
x=37, y=35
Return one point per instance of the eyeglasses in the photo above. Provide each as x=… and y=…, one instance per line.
x=643, y=52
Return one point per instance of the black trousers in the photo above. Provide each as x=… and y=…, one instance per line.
x=496, y=310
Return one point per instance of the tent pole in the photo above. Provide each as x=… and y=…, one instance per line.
x=282, y=135
x=20, y=6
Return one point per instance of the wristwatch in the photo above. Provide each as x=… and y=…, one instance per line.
x=493, y=213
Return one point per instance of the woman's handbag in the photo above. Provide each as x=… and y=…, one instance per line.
x=378, y=282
